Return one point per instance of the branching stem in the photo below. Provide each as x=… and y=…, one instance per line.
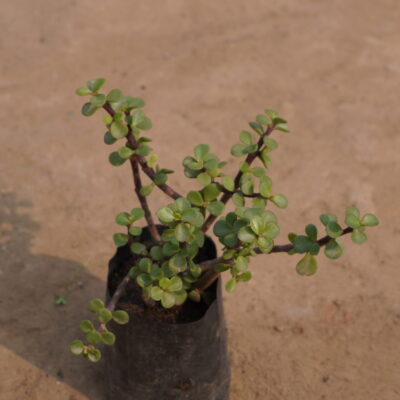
x=249, y=159
x=210, y=275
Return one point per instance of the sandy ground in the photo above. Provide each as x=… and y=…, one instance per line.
x=205, y=68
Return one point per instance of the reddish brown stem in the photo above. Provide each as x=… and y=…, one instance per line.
x=143, y=162
x=210, y=275
x=249, y=159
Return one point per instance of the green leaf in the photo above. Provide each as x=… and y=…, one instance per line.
x=265, y=158
x=135, y=230
x=311, y=231
x=245, y=137
x=271, y=230
x=104, y=315
x=175, y=284
x=145, y=265
x=125, y=152
x=156, y=293
x=195, y=296
x=134, y=272
x=93, y=337
x=265, y=244
x=216, y=208
x=177, y=263
x=156, y=253
x=307, y=265
x=245, y=277
x=59, y=300
x=182, y=233
x=114, y=96
x=258, y=202
x=136, y=214
x=271, y=144
x=292, y=236
x=237, y=150
x=83, y=91
x=241, y=264
x=302, y=244
x=108, y=338
x=98, y=100
x=238, y=200
x=146, y=190
x=180, y=297
x=86, y=326
x=201, y=151
x=272, y=113
x=144, y=280
x=123, y=219
x=282, y=127
x=358, y=236
x=165, y=215
x=247, y=185
x=95, y=305
x=193, y=216
x=353, y=211
x=118, y=129
x=138, y=248
x=94, y=355
x=230, y=240
x=369, y=220
x=221, y=228
x=88, y=109
x=115, y=159
x=108, y=138
x=246, y=235
x=203, y=179
x=265, y=187
x=256, y=127
x=95, y=84
x=134, y=102
x=279, y=200
x=326, y=218
x=211, y=192
x=228, y=183
x=333, y=229
x=120, y=317
x=263, y=120
x=120, y=239
x=143, y=150
x=230, y=285
x=333, y=249
x=145, y=124
x=77, y=347
x=195, y=198
x=167, y=300
x=352, y=221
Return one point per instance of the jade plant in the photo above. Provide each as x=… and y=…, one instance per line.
x=165, y=269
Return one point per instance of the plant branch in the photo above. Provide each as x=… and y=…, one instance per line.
x=142, y=160
x=249, y=159
x=143, y=201
x=210, y=275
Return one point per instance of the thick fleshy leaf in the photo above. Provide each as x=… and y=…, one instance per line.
x=83, y=91
x=279, y=200
x=216, y=208
x=333, y=249
x=201, y=151
x=195, y=198
x=120, y=317
x=86, y=326
x=95, y=305
x=77, y=347
x=230, y=286
x=358, y=236
x=228, y=183
x=120, y=239
x=88, y=109
x=118, y=129
x=167, y=300
x=104, y=315
x=369, y=220
x=115, y=159
x=95, y=84
x=138, y=248
x=307, y=265
x=108, y=338
x=333, y=229
x=123, y=219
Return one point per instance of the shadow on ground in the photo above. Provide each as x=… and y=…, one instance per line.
x=32, y=325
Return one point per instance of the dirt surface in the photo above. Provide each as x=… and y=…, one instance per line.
x=205, y=68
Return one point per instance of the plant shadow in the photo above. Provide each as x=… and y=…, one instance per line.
x=32, y=325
